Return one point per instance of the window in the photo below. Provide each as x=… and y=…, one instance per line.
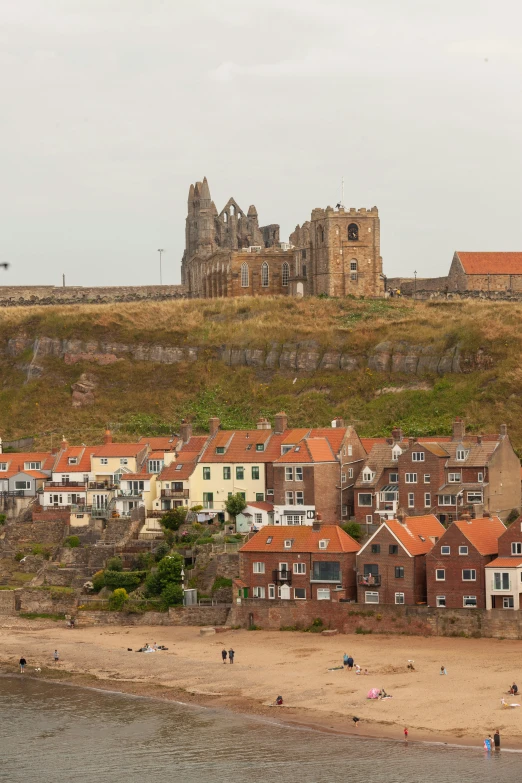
x=288, y=544
x=516, y=548
x=298, y=474
x=326, y=571
x=65, y=478
x=399, y=598
x=320, y=235
x=285, y=449
x=22, y=485
x=461, y=455
x=226, y=473
x=260, y=446
x=344, y=511
x=323, y=593
x=155, y=465
x=271, y=591
x=220, y=449
x=447, y=500
x=285, y=274
x=411, y=500
x=258, y=519
x=394, y=478
x=469, y=575
x=454, y=478
x=427, y=478
x=299, y=568
x=259, y=568
x=3, y=466
x=399, y=572
x=369, y=519
x=350, y=473
x=508, y=602
x=469, y=601
x=289, y=474
x=289, y=498
x=206, y=474
x=427, y=500
x=124, y=461
x=445, y=550
x=440, y=601
x=440, y=575
x=264, y=274
x=463, y=550
x=411, y=478
x=371, y=598
x=353, y=232
x=480, y=478
x=72, y=461
x=294, y=519
x=258, y=592
x=350, y=450
x=353, y=266
x=417, y=456
x=299, y=498
x=474, y=497
x=501, y=581
x=240, y=473
x=32, y=466
x=367, y=475
x=299, y=593
x=255, y=472
x=260, y=496
x=376, y=549
x=244, y=275
x=393, y=549
x=323, y=543
x=364, y=499
x=396, y=453
x=104, y=461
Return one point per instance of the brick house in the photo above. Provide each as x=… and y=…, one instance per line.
x=456, y=565
x=301, y=563
x=391, y=565
x=485, y=272
x=504, y=573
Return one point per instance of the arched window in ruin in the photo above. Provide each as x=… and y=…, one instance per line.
x=353, y=232
x=285, y=274
x=320, y=235
x=244, y=275
x=225, y=217
x=264, y=274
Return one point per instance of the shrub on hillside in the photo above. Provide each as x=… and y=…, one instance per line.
x=171, y=595
x=118, y=599
x=19, y=556
x=126, y=579
x=161, y=551
x=98, y=581
x=220, y=582
x=114, y=564
x=72, y=542
x=168, y=572
x=2, y=519
x=173, y=520
x=354, y=530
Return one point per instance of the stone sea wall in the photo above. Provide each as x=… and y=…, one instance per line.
x=17, y=296
x=304, y=356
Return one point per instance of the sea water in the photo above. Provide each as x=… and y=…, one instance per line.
x=52, y=733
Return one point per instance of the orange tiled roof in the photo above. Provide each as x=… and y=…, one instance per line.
x=160, y=442
x=82, y=454
x=482, y=533
x=369, y=443
x=239, y=445
x=491, y=263
x=261, y=504
x=305, y=539
x=334, y=436
x=195, y=443
x=15, y=460
x=120, y=450
x=505, y=562
x=171, y=472
x=309, y=450
x=415, y=533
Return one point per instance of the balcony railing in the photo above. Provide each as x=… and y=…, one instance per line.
x=131, y=493
x=174, y=493
x=369, y=580
x=81, y=484
x=102, y=485
x=278, y=577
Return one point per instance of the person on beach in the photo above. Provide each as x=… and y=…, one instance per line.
x=443, y=670
x=496, y=739
x=22, y=664
x=513, y=689
x=224, y=655
x=279, y=701
x=356, y=721
x=56, y=656
x=349, y=664
x=231, y=654
x=406, y=732
x=488, y=743
x=366, y=671
x=358, y=669
x=345, y=659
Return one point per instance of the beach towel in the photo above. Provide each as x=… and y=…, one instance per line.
x=373, y=693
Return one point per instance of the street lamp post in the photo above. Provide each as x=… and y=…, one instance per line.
x=415, y=284
x=160, y=251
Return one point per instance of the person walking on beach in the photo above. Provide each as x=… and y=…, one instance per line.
x=349, y=664
x=496, y=739
x=224, y=655
x=231, y=654
x=406, y=732
x=443, y=670
x=356, y=721
x=22, y=664
x=56, y=656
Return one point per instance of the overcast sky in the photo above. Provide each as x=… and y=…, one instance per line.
x=111, y=108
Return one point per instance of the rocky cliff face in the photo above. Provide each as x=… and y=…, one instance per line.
x=305, y=356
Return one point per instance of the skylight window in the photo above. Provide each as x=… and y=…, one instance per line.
x=269, y=540
x=178, y=467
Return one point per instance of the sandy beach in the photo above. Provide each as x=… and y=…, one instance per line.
x=462, y=707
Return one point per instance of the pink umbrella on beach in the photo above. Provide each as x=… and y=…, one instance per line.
x=373, y=693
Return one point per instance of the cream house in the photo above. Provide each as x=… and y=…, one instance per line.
x=136, y=490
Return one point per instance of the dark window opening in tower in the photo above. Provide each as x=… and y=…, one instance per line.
x=320, y=235
x=285, y=274
x=353, y=232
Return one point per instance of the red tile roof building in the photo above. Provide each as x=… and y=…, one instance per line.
x=483, y=271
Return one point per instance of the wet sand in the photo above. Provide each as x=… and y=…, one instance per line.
x=460, y=708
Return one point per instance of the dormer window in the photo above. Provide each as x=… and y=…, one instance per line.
x=285, y=449
x=32, y=466
x=3, y=466
x=288, y=543
x=155, y=465
x=323, y=543
x=220, y=449
x=367, y=475
x=260, y=446
x=461, y=454
x=396, y=453
x=73, y=460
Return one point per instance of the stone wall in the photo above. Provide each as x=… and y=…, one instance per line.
x=16, y=296
x=7, y=602
x=47, y=601
x=178, y=615
x=303, y=356
x=20, y=534
x=200, y=615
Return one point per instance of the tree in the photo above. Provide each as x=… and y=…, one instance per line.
x=168, y=573
x=173, y=520
x=171, y=595
x=354, y=530
x=115, y=564
x=235, y=504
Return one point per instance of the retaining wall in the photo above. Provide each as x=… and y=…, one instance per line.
x=16, y=296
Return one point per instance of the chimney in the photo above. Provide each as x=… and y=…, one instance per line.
x=459, y=429
x=185, y=431
x=486, y=515
x=478, y=510
x=213, y=425
x=397, y=434
x=465, y=518
x=64, y=444
x=479, y=440
x=0, y=445
x=281, y=423
x=337, y=422
x=503, y=430
x=107, y=438
x=401, y=516
x=264, y=424
x=411, y=441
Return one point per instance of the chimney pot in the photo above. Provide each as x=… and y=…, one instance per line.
x=503, y=430
x=264, y=424
x=479, y=440
x=213, y=425
x=107, y=437
x=459, y=429
x=281, y=423
x=185, y=431
x=397, y=434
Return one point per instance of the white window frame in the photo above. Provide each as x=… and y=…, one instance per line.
x=265, y=275
x=475, y=497
x=285, y=274
x=258, y=592
x=471, y=578
x=287, y=543
x=26, y=486
x=411, y=499
x=427, y=478
x=461, y=455
x=440, y=578
x=394, y=478
x=411, y=478
x=289, y=498
x=454, y=478
x=289, y=474
x=350, y=450
x=364, y=494
x=501, y=575
x=438, y=601
x=245, y=276
x=124, y=461
x=258, y=567
x=104, y=461
x=399, y=598
x=299, y=498
x=427, y=500
x=3, y=467
x=508, y=602
x=463, y=550
x=323, y=594
x=480, y=478
x=369, y=597
x=299, y=597
x=298, y=474
x=299, y=568
x=516, y=547
x=350, y=473
x=271, y=592
x=323, y=543
x=443, y=549
x=369, y=519
x=469, y=598
x=417, y=456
